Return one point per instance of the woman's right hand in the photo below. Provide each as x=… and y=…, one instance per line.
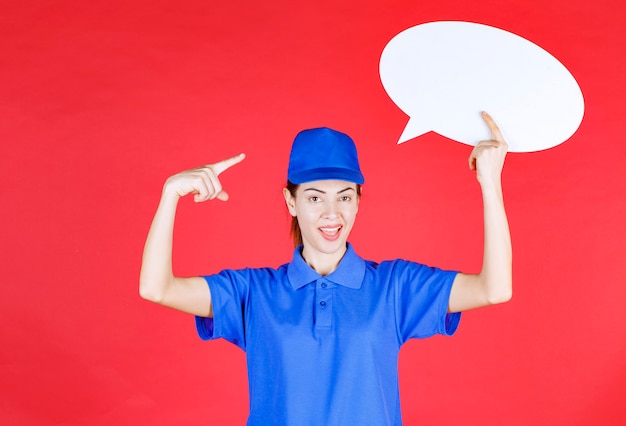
x=203, y=182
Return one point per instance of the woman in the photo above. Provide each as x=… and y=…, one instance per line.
x=322, y=334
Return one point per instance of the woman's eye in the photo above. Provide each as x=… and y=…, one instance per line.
x=345, y=198
x=314, y=199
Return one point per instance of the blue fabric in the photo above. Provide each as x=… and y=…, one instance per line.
x=324, y=350
x=323, y=154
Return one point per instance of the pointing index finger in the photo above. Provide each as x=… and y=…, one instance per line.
x=493, y=127
x=228, y=163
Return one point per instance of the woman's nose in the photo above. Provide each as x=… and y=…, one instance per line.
x=331, y=210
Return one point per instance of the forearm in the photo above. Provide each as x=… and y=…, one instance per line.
x=157, y=282
x=494, y=283
x=156, y=268
x=496, y=274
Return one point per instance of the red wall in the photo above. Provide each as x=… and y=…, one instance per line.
x=101, y=101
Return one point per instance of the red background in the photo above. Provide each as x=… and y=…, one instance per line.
x=101, y=101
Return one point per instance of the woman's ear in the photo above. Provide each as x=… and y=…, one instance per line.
x=290, y=200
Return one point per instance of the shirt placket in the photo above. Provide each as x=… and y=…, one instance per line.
x=323, y=304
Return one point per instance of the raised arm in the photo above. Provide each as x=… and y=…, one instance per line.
x=494, y=283
x=157, y=282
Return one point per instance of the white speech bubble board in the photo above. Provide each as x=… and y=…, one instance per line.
x=442, y=74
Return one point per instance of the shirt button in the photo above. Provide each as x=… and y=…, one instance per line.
x=323, y=303
x=324, y=285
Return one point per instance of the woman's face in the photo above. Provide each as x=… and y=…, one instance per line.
x=326, y=210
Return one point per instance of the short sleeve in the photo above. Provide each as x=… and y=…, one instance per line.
x=422, y=296
x=229, y=297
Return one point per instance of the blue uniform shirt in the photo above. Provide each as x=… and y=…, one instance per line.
x=323, y=350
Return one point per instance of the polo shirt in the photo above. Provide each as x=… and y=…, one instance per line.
x=323, y=350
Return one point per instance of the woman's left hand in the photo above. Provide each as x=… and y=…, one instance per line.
x=487, y=157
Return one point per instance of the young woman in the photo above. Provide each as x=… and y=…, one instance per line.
x=322, y=333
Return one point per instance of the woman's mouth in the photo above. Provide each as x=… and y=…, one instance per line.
x=331, y=233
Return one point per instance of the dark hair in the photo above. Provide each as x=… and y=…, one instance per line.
x=295, y=232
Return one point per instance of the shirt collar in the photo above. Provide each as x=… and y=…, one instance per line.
x=349, y=272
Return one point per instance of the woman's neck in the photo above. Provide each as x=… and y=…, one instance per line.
x=323, y=263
